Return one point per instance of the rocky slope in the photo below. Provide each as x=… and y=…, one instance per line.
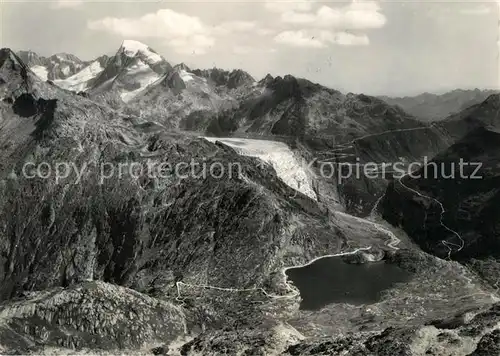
x=479, y=115
x=219, y=77
x=396, y=149
x=89, y=315
x=465, y=194
x=447, y=212
x=432, y=107
x=179, y=96
x=468, y=198
x=471, y=333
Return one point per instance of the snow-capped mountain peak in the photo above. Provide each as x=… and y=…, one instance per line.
x=133, y=48
x=134, y=67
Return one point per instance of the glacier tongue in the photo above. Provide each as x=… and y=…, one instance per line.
x=40, y=71
x=186, y=76
x=143, y=75
x=287, y=165
x=79, y=81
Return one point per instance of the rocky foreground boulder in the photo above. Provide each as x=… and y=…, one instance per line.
x=90, y=315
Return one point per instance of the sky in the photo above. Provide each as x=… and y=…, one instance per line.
x=386, y=47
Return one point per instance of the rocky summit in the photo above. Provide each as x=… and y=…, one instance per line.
x=150, y=208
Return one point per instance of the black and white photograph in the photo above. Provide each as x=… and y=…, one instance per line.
x=250, y=177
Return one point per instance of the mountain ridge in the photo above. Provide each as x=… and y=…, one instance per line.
x=425, y=106
x=56, y=67
x=432, y=107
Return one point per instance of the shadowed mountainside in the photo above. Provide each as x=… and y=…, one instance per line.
x=296, y=107
x=469, y=204
x=468, y=197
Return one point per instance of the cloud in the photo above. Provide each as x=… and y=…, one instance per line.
x=344, y=38
x=355, y=16
x=477, y=10
x=67, y=4
x=242, y=49
x=263, y=31
x=164, y=22
x=292, y=17
x=250, y=49
x=239, y=27
x=288, y=5
x=298, y=39
x=196, y=44
x=235, y=26
x=184, y=33
x=321, y=38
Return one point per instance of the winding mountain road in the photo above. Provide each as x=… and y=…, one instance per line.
x=292, y=291
x=257, y=148
x=284, y=156
x=443, y=211
x=340, y=152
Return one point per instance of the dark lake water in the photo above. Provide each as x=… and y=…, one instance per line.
x=331, y=280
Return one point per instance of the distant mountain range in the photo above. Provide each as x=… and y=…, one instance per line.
x=141, y=82
x=135, y=67
x=433, y=107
